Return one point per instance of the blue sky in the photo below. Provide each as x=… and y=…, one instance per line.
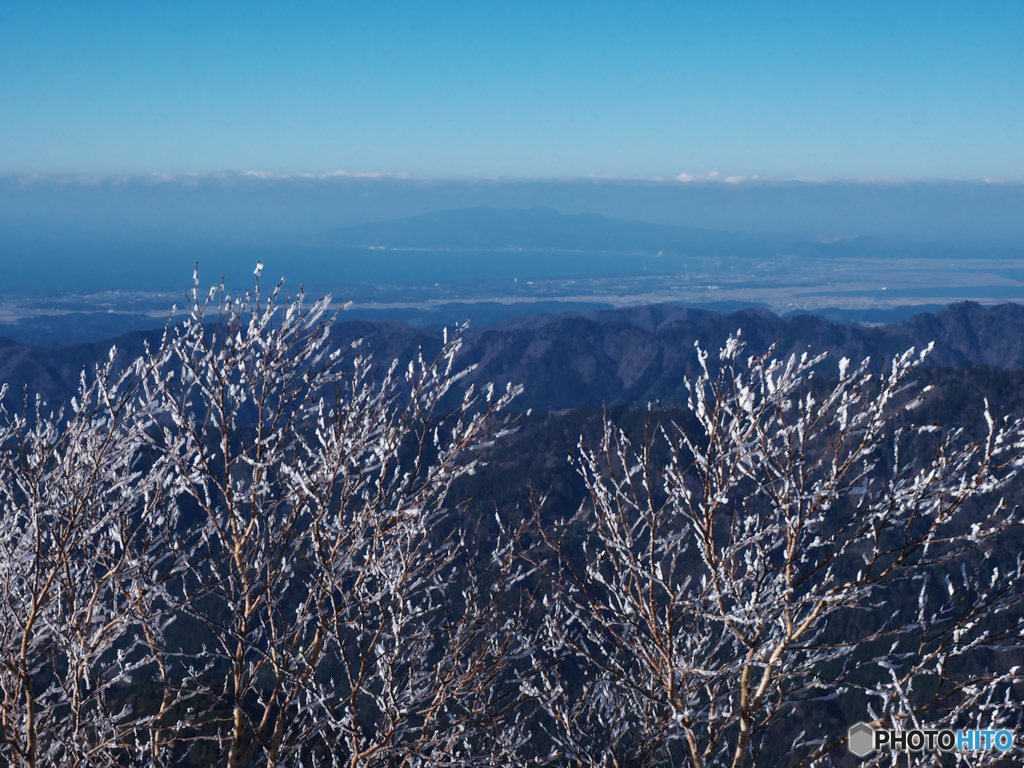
x=825, y=90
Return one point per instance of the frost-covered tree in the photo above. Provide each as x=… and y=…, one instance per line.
x=239, y=549
x=348, y=620
x=775, y=545
x=86, y=518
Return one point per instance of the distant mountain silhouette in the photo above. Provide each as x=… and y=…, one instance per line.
x=544, y=229
x=537, y=228
x=629, y=356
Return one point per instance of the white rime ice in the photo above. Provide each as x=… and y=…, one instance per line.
x=253, y=530
x=768, y=548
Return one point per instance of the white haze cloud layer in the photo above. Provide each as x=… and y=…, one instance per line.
x=687, y=178
x=712, y=178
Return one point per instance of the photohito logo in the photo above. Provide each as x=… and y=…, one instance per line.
x=863, y=740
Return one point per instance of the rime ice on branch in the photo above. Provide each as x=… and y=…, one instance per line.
x=774, y=544
x=288, y=504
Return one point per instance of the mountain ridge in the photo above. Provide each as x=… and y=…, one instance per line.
x=604, y=356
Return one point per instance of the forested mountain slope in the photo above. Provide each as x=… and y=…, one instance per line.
x=630, y=356
x=641, y=354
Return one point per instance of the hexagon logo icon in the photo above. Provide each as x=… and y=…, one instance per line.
x=861, y=740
